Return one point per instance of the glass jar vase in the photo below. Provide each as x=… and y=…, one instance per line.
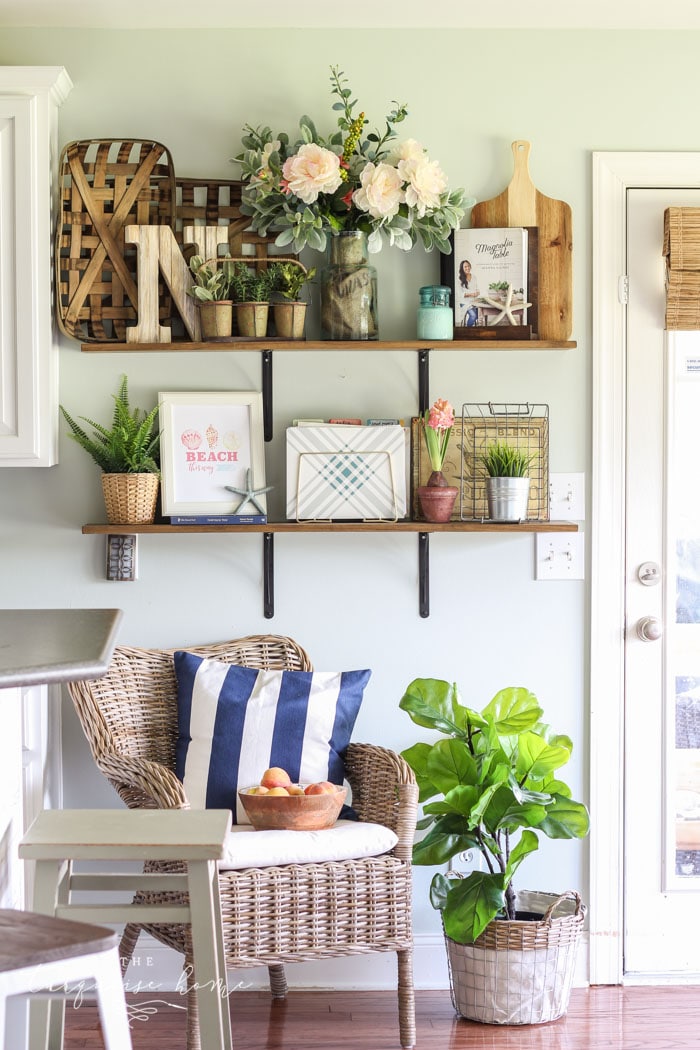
x=349, y=290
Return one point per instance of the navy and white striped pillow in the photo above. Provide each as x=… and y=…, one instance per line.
x=236, y=722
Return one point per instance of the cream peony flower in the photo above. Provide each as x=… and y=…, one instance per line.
x=407, y=150
x=381, y=191
x=426, y=183
x=311, y=171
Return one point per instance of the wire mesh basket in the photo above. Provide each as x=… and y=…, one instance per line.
x=525, y=426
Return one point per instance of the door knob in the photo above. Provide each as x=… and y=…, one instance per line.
x=649, y=629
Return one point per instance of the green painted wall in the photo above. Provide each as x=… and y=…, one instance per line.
x=352, y=601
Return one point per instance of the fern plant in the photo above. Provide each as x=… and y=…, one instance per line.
x=129, y=446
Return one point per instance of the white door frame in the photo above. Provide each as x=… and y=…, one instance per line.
x=613, y=175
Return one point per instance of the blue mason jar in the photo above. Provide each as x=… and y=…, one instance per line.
x=435, y=320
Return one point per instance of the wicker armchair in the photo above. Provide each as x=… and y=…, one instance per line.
x=290, y=913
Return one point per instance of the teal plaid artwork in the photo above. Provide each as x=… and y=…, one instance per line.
x=346, y=472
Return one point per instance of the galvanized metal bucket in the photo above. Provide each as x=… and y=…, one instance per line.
x=507, y=498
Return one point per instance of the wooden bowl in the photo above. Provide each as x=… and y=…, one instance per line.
x=293, y=812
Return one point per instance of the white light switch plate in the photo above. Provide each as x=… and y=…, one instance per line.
x=567, y=497
x=559, y=556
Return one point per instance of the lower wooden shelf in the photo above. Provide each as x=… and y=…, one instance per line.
x=121, y=543
x=339, y=526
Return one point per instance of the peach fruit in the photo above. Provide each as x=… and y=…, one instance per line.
x=278, y=791
x=275, y=777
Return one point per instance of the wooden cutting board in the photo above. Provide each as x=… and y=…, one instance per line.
x=522, y=204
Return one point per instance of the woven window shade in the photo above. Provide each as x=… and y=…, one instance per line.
x=682, y=254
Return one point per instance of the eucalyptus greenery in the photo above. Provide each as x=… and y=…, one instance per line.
x=130, y=446
x=502, y=460
x=304, y=203
x=493, y=788
x=212, y=283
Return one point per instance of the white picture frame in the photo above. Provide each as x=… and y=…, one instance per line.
x=210, y=440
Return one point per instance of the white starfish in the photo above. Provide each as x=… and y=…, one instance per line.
x=249, y=494
x=507, y=309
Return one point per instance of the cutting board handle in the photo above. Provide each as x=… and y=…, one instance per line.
x=521, y=182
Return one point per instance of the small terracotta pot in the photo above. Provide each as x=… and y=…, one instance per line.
x=216, y=319
x=437, y=501
x=289, y=319
x=252, y=319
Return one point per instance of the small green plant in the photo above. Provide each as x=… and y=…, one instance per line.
x=502, y=460
x=129, y=446
x=249, y=285
x=289, y=278
x=492, y=785
x=212, y=284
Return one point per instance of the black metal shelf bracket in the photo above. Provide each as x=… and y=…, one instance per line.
x=423, y=381
x=424, y=574
x=266, y=357
x=268, y=575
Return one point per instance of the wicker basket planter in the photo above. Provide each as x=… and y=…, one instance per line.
x=130, y=499
x=519, y=972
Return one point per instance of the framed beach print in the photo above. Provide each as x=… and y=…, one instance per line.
x=212, y=442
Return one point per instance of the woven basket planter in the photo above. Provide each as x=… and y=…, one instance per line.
x=130, y=499
x=521, y=971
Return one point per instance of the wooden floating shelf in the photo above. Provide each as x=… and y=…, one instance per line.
x=338, y=526
x=252, y=345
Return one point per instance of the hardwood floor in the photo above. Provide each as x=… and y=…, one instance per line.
x=665, y=1018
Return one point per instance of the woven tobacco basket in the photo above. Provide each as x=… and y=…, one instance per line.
x=105, y=185
x=519, y=971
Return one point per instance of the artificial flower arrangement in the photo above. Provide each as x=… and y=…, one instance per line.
x=437, y=427
x=349, y=180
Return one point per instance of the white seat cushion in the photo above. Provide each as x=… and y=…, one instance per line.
x=346, y=840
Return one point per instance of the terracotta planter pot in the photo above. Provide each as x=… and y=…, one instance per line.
x=130, y=499
x=437, y=501
x=216, y=319
x=252, y=319
x=290, y=318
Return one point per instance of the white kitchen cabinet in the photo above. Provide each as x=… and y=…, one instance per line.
x=29, y=101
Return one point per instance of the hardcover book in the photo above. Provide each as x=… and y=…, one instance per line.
x=218, y=519
x=490, y=277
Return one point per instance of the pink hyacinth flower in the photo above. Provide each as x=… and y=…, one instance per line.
x=442, y=415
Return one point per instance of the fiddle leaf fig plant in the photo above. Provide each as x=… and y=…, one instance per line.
x=489, y=784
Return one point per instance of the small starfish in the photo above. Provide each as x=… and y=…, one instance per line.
x=507, y=308
x=248, y=493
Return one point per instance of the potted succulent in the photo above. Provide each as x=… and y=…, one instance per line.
x=211, y=291
x=507, y=482
x=289, y=277
x=489, y=785
x=127, y=453
x=251, y=289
